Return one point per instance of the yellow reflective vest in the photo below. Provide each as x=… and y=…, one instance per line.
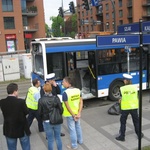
x=73, y=101
x=129, y=97
x=30, y=100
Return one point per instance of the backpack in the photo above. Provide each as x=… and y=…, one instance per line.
x=114, y=109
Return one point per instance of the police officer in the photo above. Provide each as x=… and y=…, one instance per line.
x=129, y=105
x=32, y=98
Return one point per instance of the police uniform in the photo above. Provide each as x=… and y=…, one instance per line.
x=32, y=98
x=129, y=105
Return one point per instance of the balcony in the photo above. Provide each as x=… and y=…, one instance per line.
x=146, y=15
x=129, y=16
x=129, y=4
x=31, y=28
x=99, y=13
x=30, y=12
x=146, y=3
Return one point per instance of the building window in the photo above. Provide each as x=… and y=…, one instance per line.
x=120, y=22
x=148, y=11
x=107, y=26
x=9, y=23
x=82, y=14
x=107, y=7
x=91, y=11
x=25, y=21
x=7, y=5
x=107, y=15
x=23, y=6
x=120, y=13
x=86, y=13
x=113, y=15
x=120, y=3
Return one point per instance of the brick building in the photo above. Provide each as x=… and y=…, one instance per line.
x=108, y=14
x=20, y=22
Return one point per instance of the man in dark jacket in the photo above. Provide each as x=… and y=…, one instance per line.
x=15, y=123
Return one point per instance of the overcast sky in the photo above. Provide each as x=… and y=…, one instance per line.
x=51, y=8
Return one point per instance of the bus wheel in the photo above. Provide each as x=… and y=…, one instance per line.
x=114, y=90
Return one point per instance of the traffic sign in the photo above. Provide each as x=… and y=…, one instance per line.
x=134, y=28
x=146, y=39
x=146, y=26
x=128, y=28
x=119, y=41
x=95, y=2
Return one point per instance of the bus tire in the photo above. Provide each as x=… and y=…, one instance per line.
x=114, y=90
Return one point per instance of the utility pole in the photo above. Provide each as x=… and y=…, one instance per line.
x=64, y=19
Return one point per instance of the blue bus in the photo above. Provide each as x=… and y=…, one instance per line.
x=97, y=72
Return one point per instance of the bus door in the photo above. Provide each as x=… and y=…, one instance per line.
x=92, y=72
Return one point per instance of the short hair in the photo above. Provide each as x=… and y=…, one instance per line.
x=47, y=88
x=69, y=80
x=11, y=88
x=35, y=81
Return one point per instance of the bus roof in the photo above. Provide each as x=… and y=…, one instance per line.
x=52, y=38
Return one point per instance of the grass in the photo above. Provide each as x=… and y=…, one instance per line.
x=146, y=148
x=22, y=78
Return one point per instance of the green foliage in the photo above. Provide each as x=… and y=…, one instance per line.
x=59, y=29
x=47, y=30
x=57, y=25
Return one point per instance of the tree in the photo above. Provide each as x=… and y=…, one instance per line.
x=47, y=30
x=71, y=26
x=57, y=24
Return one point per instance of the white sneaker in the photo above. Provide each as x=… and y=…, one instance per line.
x=69, y=147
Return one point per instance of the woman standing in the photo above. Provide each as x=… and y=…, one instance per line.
x=45, y=106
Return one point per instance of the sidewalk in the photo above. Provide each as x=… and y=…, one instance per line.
x=99, y=132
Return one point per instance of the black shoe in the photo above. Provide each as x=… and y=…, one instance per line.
x=62, y=134
x=142, y=135
x=120, y=138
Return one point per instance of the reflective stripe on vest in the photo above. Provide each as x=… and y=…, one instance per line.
x=129, y=97
x=30, y=100
x=73, y=101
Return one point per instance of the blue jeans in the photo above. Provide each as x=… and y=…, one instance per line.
x=53, y=131
x=75, y=132
x=24, y=141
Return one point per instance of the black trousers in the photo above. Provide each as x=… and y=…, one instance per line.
x=34, y=114
x=123, y=119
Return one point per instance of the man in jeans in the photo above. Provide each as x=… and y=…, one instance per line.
x=72, y=104
x=15, y=123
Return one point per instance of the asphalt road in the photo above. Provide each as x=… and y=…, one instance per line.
x=25, y=84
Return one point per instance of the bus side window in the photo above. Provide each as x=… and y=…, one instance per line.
x=70, y=61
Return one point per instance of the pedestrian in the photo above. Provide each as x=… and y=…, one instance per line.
x=72, y=104
x=32, y=98
x=45, y=106
x=50, y=78
x=15, y=125
x=129, y=105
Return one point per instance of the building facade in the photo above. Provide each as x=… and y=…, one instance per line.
x=20, y=22
x=108, y=14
